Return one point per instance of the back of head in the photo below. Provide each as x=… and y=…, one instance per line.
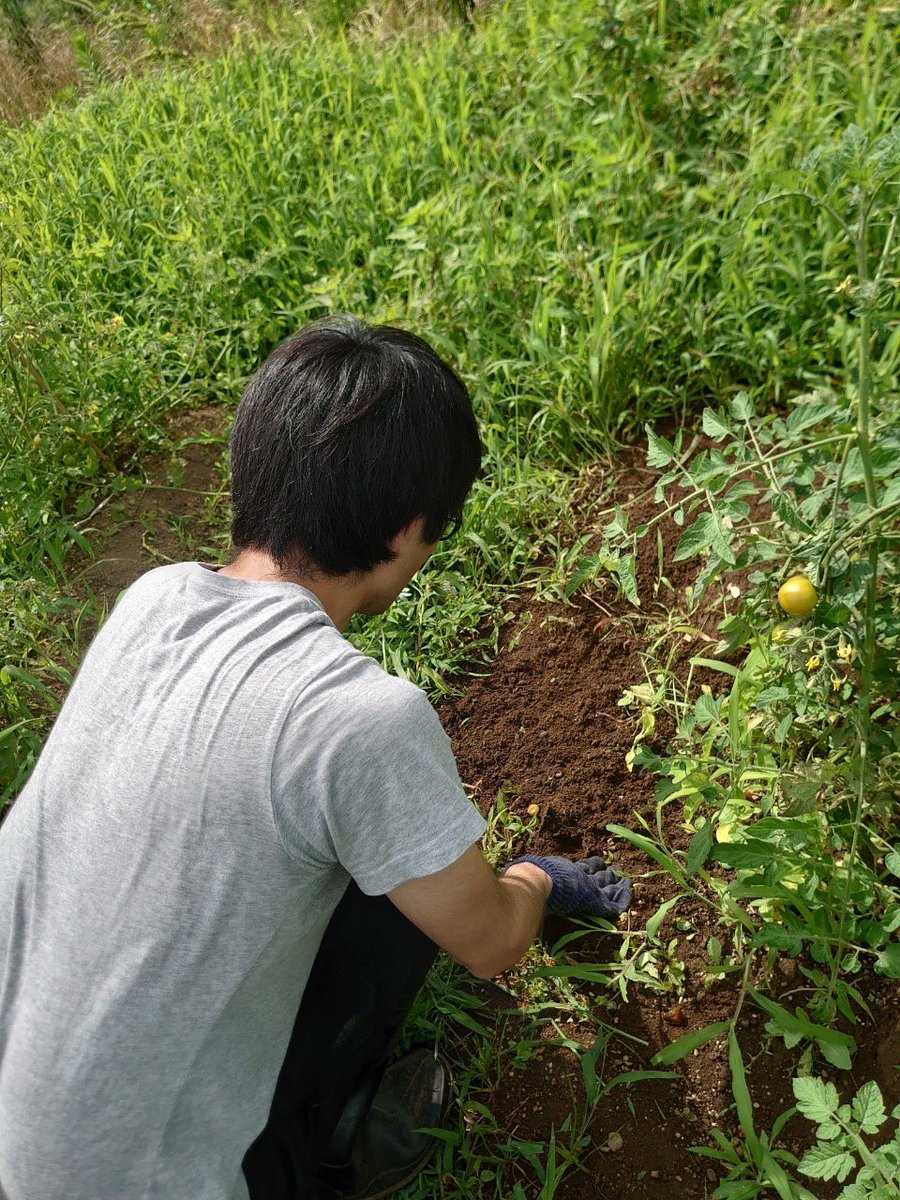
x=346, y=434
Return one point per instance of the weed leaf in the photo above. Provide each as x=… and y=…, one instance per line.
x=838, y=1056
x=741, y=1092
x=691, y=1041
x=659, y=916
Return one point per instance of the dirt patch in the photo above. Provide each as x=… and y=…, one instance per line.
x=546, y=728
x=164, y=518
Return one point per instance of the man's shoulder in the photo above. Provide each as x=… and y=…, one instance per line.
x=357, y=716
x=366, y=690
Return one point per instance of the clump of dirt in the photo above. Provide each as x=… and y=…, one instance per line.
x=546, y=727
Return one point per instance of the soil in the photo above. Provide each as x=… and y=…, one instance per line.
x=546, y=728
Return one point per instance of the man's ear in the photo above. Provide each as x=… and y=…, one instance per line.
x=413, y=531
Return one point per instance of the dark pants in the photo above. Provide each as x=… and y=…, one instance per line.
x=369, y=967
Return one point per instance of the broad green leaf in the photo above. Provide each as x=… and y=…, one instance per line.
x=588, y=568
x=721, y=540
x=777, y=937
x=625, y=569
x=618, y=526
x=699, y=848
x=888, y=961
x=816, y=1099
x=835, y=616
x=696, y=538
x=868, y=1107
x=741, y=406
x=853, y=1191
x=827, y=1162
x=714, y=426
x=706, y=709
x=790, y=514
x=691, y=1041
x=838, y=1056
x=751, y=853
x=660, y=451
x=892, y=861
x=828, y=1131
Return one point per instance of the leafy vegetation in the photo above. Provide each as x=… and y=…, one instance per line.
x=788, y=775
x=550, y=197
x=604, y=216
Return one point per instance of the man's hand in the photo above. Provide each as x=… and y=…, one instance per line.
x=587, y=887
x=487, y=922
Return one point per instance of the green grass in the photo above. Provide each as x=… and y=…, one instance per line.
x=559, y=200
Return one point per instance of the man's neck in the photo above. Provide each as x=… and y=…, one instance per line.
x=340, y=597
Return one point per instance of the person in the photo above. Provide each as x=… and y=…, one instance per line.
x=244, y=842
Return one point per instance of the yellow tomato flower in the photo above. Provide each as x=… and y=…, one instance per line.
x=845, y=651
x=813, y=662
x=835, y=682
x=778, y=634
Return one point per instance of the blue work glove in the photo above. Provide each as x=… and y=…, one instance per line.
x=586, y=887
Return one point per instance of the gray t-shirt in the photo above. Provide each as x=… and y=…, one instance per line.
x=224, y=763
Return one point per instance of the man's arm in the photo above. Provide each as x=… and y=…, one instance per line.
x=483, y=920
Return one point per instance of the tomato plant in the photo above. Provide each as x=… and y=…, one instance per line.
x=787, y=774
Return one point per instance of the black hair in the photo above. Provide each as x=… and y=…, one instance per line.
x=344, y=435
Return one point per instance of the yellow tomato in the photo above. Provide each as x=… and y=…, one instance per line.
x=798, y=596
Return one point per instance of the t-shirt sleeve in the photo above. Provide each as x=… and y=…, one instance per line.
x=371, y=783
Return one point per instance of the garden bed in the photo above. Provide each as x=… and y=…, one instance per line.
x=545, y=728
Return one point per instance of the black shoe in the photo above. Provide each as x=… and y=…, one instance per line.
x=387, y=1153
